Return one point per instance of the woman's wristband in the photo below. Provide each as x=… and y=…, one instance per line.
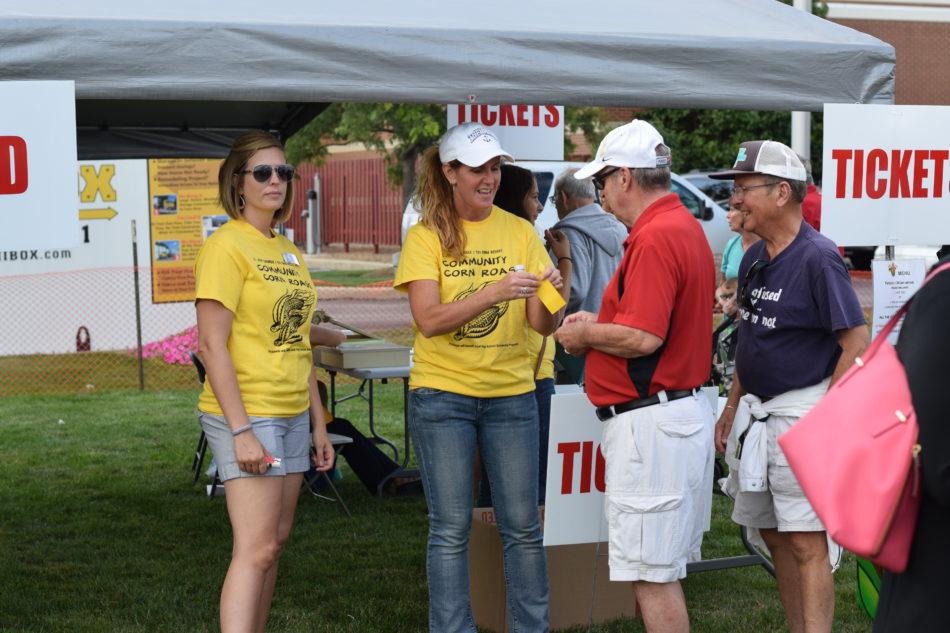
x=238, y=431
x=567, y=258
x=729, y=406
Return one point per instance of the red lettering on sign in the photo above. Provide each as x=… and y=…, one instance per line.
x=587, y=458
x=489, y=116
x=900, y=162
x=522, y=115
x=920, y=172
x=841, y=158
x=506, y=115
x=461, y=113
x=567, y=450
x=553, y=117
x=876, y=186
x=858, y=175
x=938, y=156
x=14, y=175
x=592, y=469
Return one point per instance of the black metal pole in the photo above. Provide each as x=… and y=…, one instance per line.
x=138, y=308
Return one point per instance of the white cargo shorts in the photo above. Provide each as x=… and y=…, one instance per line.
x=658, y=488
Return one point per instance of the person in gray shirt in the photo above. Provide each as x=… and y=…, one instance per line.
x=595, y=236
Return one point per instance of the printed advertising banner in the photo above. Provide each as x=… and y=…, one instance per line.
x=184, y=211
x=886, y=178
x=527, y=132
x=37, y=169
x=894, y=283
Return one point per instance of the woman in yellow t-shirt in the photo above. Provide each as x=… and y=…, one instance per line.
x=255, y=302
x=472, y=272
x=518, y=194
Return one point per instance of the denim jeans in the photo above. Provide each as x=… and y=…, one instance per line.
x=446, y=427
x=543, y=390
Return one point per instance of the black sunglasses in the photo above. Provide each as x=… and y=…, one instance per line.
x=601, y=178
x=745, y=294
x=262, y=173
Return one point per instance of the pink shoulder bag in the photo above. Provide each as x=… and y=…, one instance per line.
x=855, y=455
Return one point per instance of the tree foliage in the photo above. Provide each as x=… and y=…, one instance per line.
x=400, y=132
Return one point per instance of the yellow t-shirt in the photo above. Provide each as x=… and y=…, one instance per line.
x=266, y=284
x=547, y=363
x=486, y=357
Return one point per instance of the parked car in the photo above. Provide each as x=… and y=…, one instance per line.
x=710, y=215
x=719, y=190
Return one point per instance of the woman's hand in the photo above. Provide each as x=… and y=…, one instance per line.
x=554, y=276
x=516, y=285
x=322, y=449
x=558, y=243
x=250, y=453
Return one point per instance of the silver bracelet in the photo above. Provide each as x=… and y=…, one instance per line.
x=238, y=431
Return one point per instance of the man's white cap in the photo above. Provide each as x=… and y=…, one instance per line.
x=471, y=144
x=631, y=145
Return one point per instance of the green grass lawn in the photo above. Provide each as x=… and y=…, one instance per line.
x=102, y=531
x=353, y=277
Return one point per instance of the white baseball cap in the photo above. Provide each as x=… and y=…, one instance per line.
x=471, y=144
x=769, y=158
x=632, y=145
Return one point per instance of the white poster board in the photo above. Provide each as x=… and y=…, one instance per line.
x=894, y=283
x=886, y=174
x=527, y=132
x=574, y=497
x=37, y=168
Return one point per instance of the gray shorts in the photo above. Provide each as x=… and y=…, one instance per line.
x=783, y=506
x=286, y=438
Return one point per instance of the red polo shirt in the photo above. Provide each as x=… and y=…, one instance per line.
x=668, y=279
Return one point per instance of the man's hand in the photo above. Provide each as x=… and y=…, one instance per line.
x=724, y=427
x=582, y=316
x=573, y=335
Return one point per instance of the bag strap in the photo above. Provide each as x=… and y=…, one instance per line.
x=892, y=323
x=537, y=365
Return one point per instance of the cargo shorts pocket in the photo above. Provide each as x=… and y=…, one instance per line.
x=646, y=530
x=686, y=444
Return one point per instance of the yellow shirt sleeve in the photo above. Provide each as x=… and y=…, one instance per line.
x=538, y=257
x=419, y=259
x=219, y=275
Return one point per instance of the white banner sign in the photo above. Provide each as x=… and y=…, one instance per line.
x=894, y=283
x=37, y=168
x=574, y=496
x=527, y=132
x=885, y=174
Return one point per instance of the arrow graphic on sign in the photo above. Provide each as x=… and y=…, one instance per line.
x=98, y=214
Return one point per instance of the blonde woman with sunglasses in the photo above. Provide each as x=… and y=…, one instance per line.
x=255, y=303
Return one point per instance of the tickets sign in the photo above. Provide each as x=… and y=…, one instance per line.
x=37, y=168
x=527, y=132
x=886, y=178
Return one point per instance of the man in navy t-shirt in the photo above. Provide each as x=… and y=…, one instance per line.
x=801, y=327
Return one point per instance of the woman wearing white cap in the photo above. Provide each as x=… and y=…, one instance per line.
x=472, y=272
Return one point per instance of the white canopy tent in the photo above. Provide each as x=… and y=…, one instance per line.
x=174, y=72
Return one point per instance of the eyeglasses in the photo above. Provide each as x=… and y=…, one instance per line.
x=262, y=173
x=739, y=191
x=602, y=177
x=745, y=292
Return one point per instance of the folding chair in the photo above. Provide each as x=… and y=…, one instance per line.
x=335, y=440
x=202, y=448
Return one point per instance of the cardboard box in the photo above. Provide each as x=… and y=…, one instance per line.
x=578, y=577
x=363, y=354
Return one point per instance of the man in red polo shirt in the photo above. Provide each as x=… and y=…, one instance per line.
x=647, y=354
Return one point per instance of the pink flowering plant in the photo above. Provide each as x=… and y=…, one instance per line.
x=173, y=349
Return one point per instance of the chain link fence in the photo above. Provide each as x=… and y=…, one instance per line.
x=80, y=331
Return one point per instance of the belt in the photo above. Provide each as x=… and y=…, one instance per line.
x=605, y=413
